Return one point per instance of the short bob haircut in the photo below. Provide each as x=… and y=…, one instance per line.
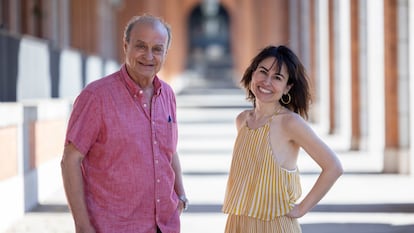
x=299, y=92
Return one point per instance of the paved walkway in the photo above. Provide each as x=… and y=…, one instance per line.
x=362, y=201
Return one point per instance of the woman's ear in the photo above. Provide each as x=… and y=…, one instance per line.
x=287, y=89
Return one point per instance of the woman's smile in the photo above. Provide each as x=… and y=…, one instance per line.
x=264, y=90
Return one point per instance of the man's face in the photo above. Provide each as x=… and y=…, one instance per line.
x=146, y=50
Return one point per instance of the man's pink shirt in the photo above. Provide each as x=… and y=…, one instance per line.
x=128, y=148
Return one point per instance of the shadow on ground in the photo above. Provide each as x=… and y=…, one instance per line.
x=216, y=208
x=306, y=227
x=355, y=228
x=50, y=208
x=340, y=227
x=327, y=208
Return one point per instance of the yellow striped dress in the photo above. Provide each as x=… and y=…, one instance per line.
x=259, y=192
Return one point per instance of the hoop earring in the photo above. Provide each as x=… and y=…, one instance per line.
x=288, y=99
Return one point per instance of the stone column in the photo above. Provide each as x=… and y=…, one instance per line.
x=396, y=86
x=331, y=65
x=322, y=64
x=342, y=73
x=15, y=16
x=64, y=24
x=411, y=82
x=355, y=76
x=403, y=92
x=294, y=19
x=363, y=72
x=375, y=77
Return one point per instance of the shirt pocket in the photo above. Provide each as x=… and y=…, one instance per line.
x=167, y=136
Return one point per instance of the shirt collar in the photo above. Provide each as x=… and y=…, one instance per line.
x=133, y=88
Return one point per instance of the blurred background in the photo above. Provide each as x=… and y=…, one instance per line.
x=359, y=55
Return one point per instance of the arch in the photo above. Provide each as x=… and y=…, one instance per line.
x=209, y=50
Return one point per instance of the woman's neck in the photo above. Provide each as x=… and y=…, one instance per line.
x=266, y=111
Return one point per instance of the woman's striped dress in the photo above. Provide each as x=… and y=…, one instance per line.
x=259, y=192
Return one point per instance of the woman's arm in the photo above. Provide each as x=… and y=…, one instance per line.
x=331, y=167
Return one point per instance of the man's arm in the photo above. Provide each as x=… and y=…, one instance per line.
x=178, y=184
x=74, y=188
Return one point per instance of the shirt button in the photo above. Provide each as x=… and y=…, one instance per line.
x=158, y=180
x=135, y=96
x=140, y=91
x=158, y=200
x=156, y=161
x=145, y=105
x=155, y=142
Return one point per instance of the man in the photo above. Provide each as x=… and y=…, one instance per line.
x=120, y=167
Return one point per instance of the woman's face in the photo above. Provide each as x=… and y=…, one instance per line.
x=268, y=84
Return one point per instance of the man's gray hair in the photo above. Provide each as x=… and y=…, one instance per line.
x=149, y=19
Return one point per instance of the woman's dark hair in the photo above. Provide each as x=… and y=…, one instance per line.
x=299, y=92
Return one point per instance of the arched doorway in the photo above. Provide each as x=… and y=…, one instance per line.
x=209, y=58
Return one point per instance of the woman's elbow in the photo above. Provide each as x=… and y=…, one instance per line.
x=338, y=169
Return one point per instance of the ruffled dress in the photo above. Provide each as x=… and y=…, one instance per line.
x=259, y=191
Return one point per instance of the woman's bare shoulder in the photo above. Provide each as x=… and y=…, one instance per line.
x=242, y=118
x=290, y=121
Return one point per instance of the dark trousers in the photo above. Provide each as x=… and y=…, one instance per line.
x=158, y=230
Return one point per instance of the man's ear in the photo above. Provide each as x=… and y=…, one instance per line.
x=125, y=46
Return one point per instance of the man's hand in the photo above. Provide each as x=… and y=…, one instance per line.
x=85, y=229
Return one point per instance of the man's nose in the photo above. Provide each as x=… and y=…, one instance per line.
x=148, y=54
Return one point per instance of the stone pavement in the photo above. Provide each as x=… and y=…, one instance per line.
x=362, y=201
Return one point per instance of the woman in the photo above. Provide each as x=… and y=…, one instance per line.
x=263, y=185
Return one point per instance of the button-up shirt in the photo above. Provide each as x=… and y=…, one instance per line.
x=128, y=148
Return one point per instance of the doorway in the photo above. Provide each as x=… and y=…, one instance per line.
x=209, y=57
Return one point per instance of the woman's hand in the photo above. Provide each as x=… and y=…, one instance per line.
x=295, y=212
